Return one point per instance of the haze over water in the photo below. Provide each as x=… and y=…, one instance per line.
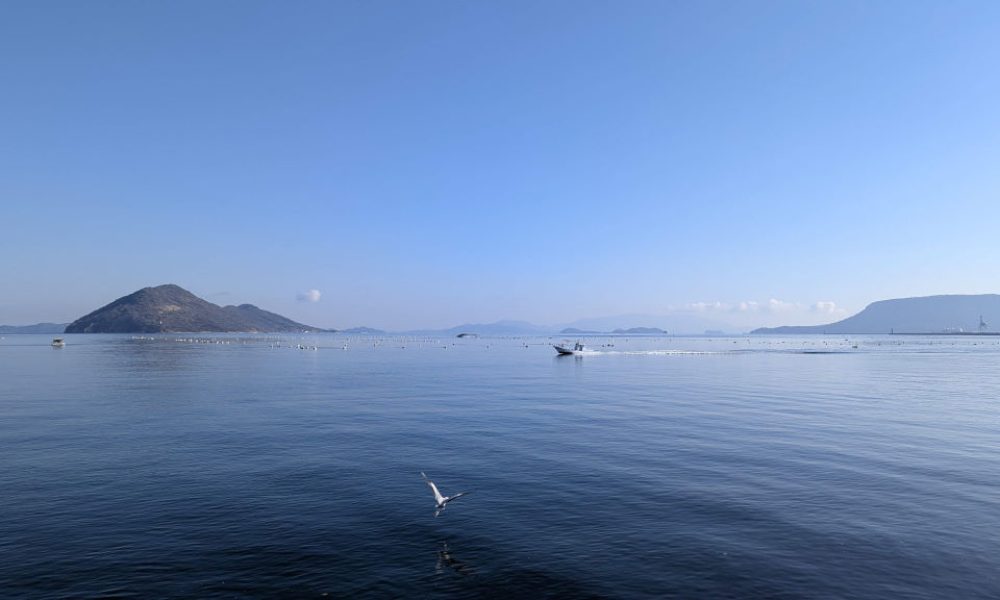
x=757, y=467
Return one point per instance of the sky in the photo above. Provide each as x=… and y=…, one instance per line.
x=423, y=164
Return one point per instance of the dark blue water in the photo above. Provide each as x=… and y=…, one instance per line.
x=689, y=468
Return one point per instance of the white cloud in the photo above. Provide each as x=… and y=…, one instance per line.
x=706, y=306
x=779, y=306
x=747, y=306
x=757, y=313
x=772, y=306
x=310, y=296
x=827, y=308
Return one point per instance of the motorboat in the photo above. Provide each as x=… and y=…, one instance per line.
x=576, y=349
x=58, y=343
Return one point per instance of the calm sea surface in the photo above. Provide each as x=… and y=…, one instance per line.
x=224, y=466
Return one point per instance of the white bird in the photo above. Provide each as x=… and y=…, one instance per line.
x=440, y=501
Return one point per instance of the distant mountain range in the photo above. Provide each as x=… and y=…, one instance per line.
x=362, y=331
x=927, y=314
x=630, y=324
x=525, y=328
x=170, y=308
x=678, y=323
x=630, y=331
x=498, y=328
x=36, y=328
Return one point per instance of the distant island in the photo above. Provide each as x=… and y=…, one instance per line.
x=926, y=314
x=171, y=308
x=641, y=331
x=36, y=328
x=629, y=331
x=499, y=328
x=362, y=331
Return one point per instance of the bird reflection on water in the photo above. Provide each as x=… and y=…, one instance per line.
x=445, y=559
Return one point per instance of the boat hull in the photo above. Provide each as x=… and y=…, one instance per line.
x=565, y=351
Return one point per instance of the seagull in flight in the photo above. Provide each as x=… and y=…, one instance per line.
x=440, y=501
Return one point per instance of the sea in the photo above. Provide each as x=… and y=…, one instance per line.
x=289, y=466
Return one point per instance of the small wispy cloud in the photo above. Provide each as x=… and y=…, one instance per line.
x=309, y=296
x=780, y=306
x=747, y=306
x=772, y=306
x=827, y=308
x=705, y=307
x=755, y=313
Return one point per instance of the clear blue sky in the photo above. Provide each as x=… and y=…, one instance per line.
x=424, y=164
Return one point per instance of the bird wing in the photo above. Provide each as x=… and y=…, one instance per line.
x=437, y=494
x=458, y=495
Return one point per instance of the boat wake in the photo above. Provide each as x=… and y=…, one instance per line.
x=741, y=351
